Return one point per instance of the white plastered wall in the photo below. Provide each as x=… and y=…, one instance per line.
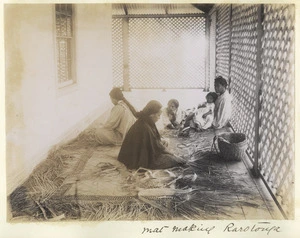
x=38, y=114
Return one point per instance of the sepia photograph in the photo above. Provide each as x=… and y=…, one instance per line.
x=150, y=112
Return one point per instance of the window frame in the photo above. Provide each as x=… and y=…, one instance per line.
x=70, y=68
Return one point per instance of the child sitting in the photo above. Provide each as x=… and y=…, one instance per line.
x=204, y=115
x=172, y=115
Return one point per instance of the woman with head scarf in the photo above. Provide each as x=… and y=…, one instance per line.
x=143, y=146
x=172, y=115
x=122, y=117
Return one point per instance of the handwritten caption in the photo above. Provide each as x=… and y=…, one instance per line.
x=259, y=227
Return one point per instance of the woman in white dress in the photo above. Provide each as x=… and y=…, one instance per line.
x=223, y=108
x=122, y=117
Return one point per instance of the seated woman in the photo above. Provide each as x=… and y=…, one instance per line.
x=223, y=109
x=143, y=146
x=122, y=117
x=172, y=115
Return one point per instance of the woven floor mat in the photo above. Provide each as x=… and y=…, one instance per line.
x=82, y=181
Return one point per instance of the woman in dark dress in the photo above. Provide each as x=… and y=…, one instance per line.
x=143, y=145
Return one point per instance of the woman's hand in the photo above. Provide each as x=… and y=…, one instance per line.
x=170, y=126
x=165, y=142
x=176, y=124
x=201, y=105
x=206, y=114
x=200, y=129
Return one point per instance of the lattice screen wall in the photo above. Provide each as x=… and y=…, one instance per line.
x=277, y=114
x=276, y=96
x=243, y=70
x=223, y=41
x=163, y=52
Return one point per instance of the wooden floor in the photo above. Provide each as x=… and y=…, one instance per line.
x=267, y=207
x=189, y=98
x=82, y=161
x=82, y=182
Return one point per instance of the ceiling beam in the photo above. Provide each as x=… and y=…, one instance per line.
x=160, y=15
x=125, y=9
x=166, y=9
x=204, y=7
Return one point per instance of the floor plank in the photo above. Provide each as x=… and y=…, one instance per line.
x=252, y=213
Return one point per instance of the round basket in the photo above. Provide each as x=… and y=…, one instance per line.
x=232, y=146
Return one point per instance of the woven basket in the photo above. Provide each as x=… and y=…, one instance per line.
x=231, y=146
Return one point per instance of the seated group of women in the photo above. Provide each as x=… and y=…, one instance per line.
x=140, y=140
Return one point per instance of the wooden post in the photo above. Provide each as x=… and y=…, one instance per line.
x=258, y=87
x=207, y=46
x=230, y=45
x=125, y=36
x=217, y=25
x=212, y=48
